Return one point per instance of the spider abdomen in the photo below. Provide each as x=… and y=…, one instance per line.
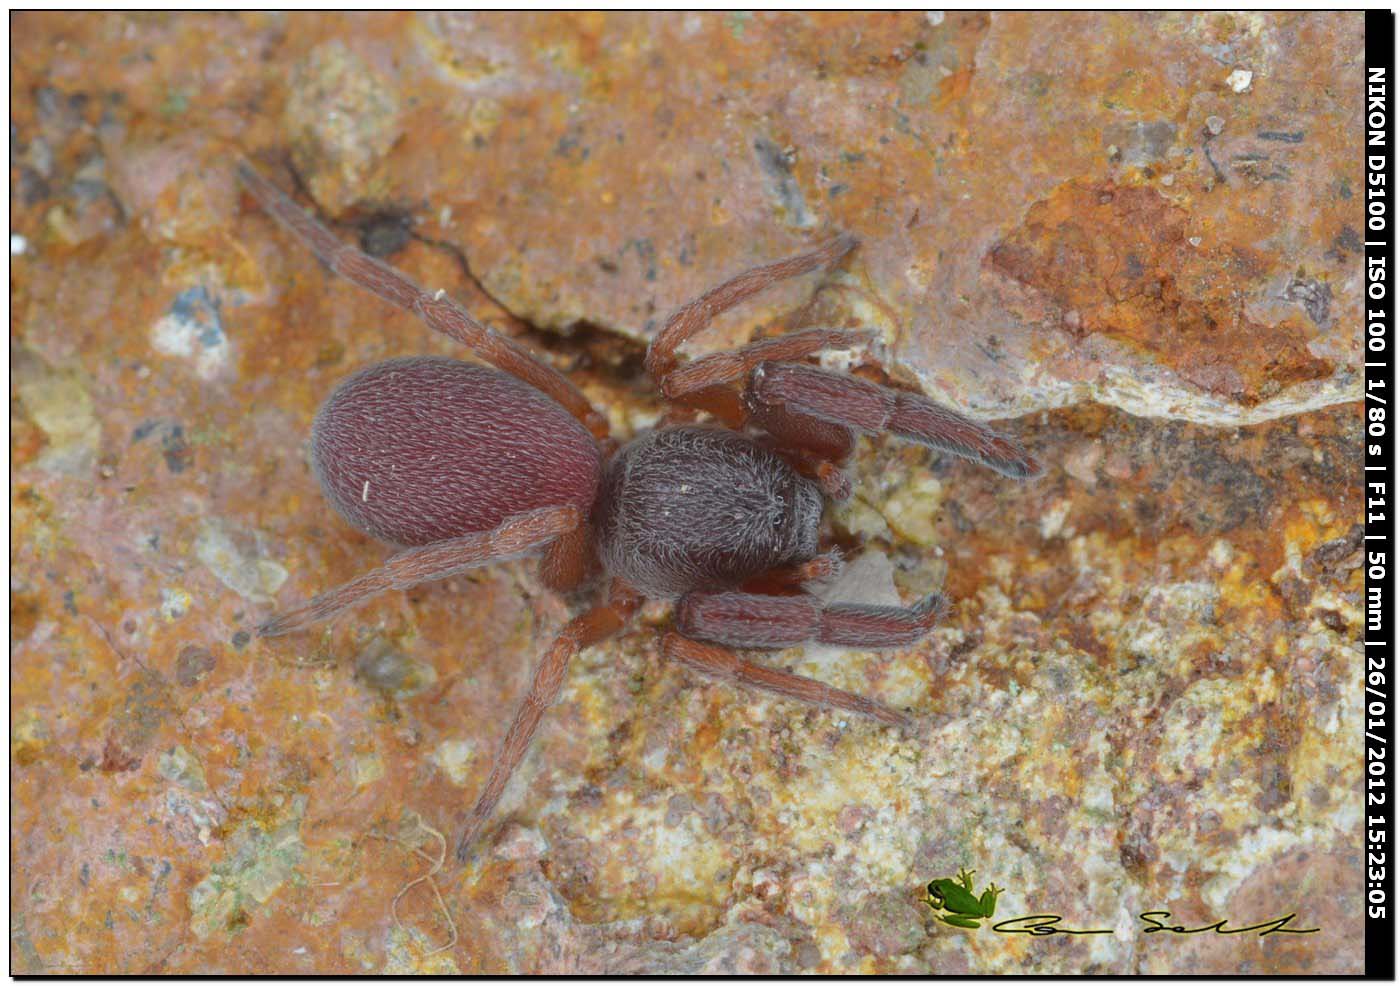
x=421, y=449
x=696, y=508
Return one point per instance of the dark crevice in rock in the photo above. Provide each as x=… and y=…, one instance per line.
x=588, y=345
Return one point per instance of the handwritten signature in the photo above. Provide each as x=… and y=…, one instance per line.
x=955, y=902
x=1039, y=925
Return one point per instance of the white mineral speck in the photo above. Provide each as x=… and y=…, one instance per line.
x=18, y=245
x=934, y=17
x=247, y=574
x=840, y=360
x=454, y=758
x=174, y=603
x=367, y=769
x=364, y=494
x=1221, y=553
x=1240, y=79
x=1053, y=520
x=193, y=329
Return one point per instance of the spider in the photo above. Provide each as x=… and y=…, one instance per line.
x=462, y=465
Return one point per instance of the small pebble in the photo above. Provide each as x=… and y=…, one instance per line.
x=1240, y=79
x=193, y=664
x=1215, y=124
x=18, y=245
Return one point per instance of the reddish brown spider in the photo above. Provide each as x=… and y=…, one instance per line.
x=463, y=465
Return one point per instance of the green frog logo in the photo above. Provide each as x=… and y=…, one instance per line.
x=954, y=902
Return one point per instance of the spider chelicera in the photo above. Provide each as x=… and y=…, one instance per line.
x=463, y=465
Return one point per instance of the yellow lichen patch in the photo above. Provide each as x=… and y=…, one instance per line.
x=913, y=508
x=61, y=406
x=28, y=737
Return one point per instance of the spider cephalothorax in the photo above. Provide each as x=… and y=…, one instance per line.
x=465, y=465
x=700, y=507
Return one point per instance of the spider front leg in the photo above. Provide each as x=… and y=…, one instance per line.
x=440, y=312
x=727, y=367
x=867, y=407
x=584, y=631
x=814, y=447
x=696, y=315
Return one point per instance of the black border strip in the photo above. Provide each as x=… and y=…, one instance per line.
x=1377, y=701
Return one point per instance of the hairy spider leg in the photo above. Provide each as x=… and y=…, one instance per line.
x=718, y=662
x=813, y=447
x=706, y=620
x=824, y=567
x=867, y=407
x=722, y=402
x=745, y=619
x=736, y=364
x=592, y=627
x=516, y=536
x=695, y=315
x=437, y=310
x=569, y=560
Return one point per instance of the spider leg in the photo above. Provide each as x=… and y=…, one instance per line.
x=695, y=315
x=743, y=619
x=597, y=624
x=707, y=384
x=719, y=662
x=814, y=438
x=569, y=560
x=722, y=401
x=727, y=367
x=811, y=446
x=440, y=312
x=442, y=559
x=868, y=407
x=825, y=566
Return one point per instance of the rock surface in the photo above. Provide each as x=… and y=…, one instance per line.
x=1138, y=234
